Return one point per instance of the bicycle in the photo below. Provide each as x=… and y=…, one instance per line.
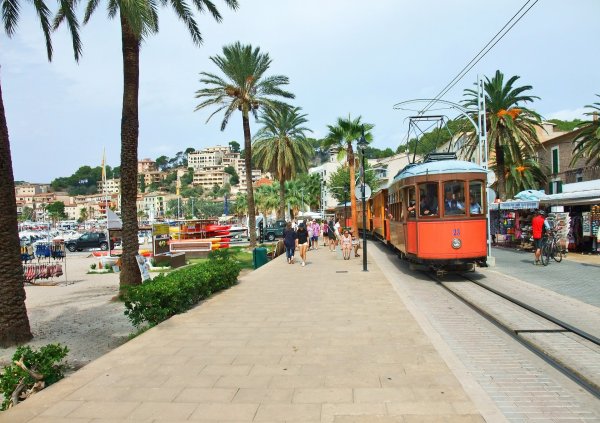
x=551, y=249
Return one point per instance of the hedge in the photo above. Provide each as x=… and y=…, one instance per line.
x=176, y=292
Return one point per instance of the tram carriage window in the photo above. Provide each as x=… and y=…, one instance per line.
x=475, y=197
x=428, y=199
x=454, y=198
x=412, y=203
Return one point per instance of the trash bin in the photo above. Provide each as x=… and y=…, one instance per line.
x=259, y=257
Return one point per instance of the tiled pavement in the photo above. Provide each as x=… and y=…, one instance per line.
x=321, y=343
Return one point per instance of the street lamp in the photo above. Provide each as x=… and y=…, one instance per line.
x=362, y=146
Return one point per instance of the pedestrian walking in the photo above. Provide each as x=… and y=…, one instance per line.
x=302, y=241
x=332, y=236
x=316, y=228
x=309, y=228
x=325, y=232
x=289, y=240
x=537, y=229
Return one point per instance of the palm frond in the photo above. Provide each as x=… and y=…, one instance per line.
x=10, y=15
x=66, y=12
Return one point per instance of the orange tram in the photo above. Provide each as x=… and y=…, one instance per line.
x=432, y=213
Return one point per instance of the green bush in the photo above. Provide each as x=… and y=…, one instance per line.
x=176, y=292
x=47, y=361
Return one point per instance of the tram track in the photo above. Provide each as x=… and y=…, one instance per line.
x=569, y=349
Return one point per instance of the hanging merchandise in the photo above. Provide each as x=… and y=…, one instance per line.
x=44, y=251
x=586, y=223
x=561, y=224
x=595, y=219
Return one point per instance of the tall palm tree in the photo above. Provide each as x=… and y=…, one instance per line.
x=341, y=136
x=280, y=147
x=245, y=88
x=14, y=323
x=512, y=137
x=294, y=196
x=139, y=19
x=587, y=144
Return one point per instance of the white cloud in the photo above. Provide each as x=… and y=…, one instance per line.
x=569, y=114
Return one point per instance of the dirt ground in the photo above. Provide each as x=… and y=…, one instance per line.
x=77, y=312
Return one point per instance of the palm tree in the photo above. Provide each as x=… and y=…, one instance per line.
x=245, y=88
x=138, y=20
x=267, y=198
x=241, y=204
x=341, y=136
x=527, y=174
x=294, y=196
x=587, y=144
x=280, y=147
x=14, y=323
x=512, y=136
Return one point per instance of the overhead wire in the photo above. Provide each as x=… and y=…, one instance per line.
x=481, y=54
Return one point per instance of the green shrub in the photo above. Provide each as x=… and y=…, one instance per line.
x=176, y=292
x=47, y=361
x=93, y=266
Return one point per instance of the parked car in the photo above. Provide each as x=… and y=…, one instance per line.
x=275, y=231
x=88, y=240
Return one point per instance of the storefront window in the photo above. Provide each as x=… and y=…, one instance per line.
x=428, y=199
x=412, y=203
x=454, y=198
x=475, y=197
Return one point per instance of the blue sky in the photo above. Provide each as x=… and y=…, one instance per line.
x=342, y=57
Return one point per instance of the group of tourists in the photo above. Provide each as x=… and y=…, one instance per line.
x=305, y=236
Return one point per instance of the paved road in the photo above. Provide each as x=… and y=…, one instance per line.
x=576, y=280
x=522, y=386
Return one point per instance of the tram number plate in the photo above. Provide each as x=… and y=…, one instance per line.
x=456, y=232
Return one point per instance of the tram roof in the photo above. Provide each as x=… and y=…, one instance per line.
x=439, y=167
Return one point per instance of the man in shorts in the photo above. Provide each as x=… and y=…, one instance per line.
x=537, y=225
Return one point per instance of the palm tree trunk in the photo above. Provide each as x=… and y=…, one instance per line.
x=281, y=199
x=130, y=273
x=500, y=170
x=248, y=163
x=352, y=189
x=14, y=324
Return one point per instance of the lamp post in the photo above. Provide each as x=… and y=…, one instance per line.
x=362, y=146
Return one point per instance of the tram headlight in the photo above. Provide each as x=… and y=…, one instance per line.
x=456, y=243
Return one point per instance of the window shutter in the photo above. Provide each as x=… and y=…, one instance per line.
x=558, y=187
x=550, y=188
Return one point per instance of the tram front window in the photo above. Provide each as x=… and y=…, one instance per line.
x=454, y=198
x=428, y=194
x=475, y=195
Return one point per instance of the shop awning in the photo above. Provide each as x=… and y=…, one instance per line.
x=591, y=196
x=515, y=205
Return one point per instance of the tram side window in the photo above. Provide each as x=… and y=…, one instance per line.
x=475, y=197
x=395, y=207
x=412, y=203
x=428, y=199
x=454, y=198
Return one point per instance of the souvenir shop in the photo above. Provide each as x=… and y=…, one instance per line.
x=510, y=223
x=583, y=211
x=44, y=262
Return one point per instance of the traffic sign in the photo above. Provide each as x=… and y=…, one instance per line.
x=358, y=192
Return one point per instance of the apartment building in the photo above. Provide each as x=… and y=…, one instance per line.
x=210, y=176
x=31, y=189
x=212, y=156
x=110, y=186
x=146, y=165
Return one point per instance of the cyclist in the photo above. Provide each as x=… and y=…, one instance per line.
x=537, y=225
